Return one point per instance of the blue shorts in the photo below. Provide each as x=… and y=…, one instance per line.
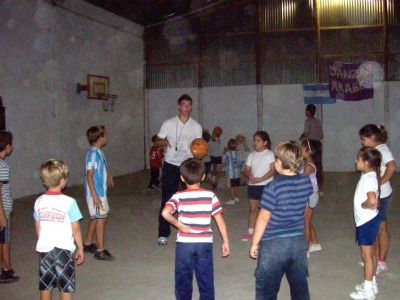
x=254, y=192
x=5, y=232
x=366, y=234
x=384, y=205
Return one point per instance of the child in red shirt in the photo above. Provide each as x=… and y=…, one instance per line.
x=156, y=161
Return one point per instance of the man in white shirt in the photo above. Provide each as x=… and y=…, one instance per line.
x=176, y=134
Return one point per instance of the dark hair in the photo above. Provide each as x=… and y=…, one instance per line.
x=378, y=133
x=192, y=171
x=311, y=108
x=94, y=133
x=374, y=158
x=264, y=136
x=315, y=148
x=6, y=138
x=206, y=136
x=153, y=138
x=185, y=97
x=232, y=144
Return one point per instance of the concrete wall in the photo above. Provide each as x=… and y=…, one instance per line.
x=235, y=109
x=45, y=51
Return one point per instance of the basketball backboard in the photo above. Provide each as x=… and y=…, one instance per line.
x=97, y=86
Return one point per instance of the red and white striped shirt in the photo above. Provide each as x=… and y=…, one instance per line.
x=195, y=207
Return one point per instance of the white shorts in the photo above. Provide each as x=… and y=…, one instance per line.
x=313, y=200
x=98, y=213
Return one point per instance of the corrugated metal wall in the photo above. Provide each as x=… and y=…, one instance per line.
x=285, y=41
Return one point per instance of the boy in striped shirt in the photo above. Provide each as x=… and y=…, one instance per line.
x=194, y=249
x=6, y=208
x=278, y=240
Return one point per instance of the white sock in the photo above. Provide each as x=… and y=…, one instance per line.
x=251, y=230
x=368, y=285
x=374, y=279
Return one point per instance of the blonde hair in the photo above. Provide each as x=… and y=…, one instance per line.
x=290, y=154
x=242, y=140
x=52, y=172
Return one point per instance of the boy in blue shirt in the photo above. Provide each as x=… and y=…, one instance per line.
x=278, y=241
x=98, y=180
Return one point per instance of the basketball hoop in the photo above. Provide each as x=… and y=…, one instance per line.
x=97, y=88
x=108, y=100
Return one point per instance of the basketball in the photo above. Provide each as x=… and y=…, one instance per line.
x=217, y=131
x=199, y=148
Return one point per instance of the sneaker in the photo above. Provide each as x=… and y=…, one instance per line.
x=247, y=236
x=381, y=268
x=162, y=241
x=236, y=199
x=363, y=294
x=314, y=247
x=155, y=187
x=231, y=202
x=8, y=276
x=360, y=287
x=104, y=255
x=89, y=248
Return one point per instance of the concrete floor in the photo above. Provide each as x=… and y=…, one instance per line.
x=144, y=270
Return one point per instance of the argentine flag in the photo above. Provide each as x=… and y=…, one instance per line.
x=317, y=94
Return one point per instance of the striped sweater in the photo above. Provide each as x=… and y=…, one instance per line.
x=286, y=198
x=195, y=207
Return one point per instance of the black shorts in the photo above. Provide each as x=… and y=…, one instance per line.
x=234, y=182
x=57, y=269
x=216, y=160
x=254, y=192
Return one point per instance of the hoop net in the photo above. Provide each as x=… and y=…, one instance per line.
x=108, y=100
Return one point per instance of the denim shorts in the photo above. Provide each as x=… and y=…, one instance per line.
x=384, y=205
x=254, y=192
x=366, y=234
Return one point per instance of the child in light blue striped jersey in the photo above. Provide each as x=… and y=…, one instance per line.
x=233, y=163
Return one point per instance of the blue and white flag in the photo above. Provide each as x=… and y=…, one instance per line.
x=317, y=94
